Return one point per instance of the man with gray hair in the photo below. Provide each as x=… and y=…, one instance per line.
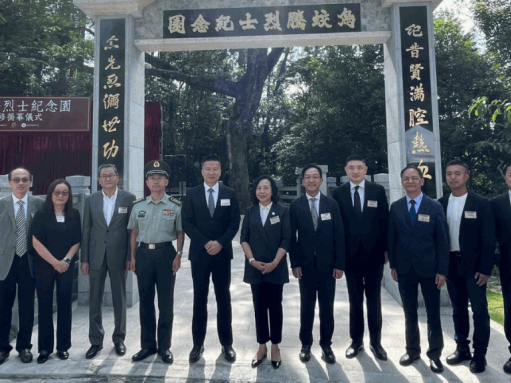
x=16, y=212
x=105, y=249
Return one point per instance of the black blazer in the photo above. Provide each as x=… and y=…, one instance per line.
x=423, y=245
x=370, y=230
x=502, y=215
x=202, y=228
x=326, y=244
x=265, y=241
x=477, y=237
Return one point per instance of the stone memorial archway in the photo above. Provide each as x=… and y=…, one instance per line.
x=126, y=29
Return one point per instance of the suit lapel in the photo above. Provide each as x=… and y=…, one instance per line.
x=203, y=201
x=424, y=207
x=406, y=212
x=221, y=190
x=259, y=224
x=30, y=210
x=307, y=210
x=346, y=196
x=118, y=203
x=9, y=207
x=99, y=203
x=469, y=203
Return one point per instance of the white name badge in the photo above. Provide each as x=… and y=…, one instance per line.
x=372, y=203
x=274, y=220
x=326, y=216
x=225, y=202
x=61, y=219
x=123, y=210
x=423, y=218
x=471, y=214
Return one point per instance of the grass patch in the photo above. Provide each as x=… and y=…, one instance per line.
x=495, y=306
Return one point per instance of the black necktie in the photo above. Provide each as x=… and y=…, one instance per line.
x=358, y=203
x=413, y=213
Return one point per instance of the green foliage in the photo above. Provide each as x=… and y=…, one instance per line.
x=495, y=306
x=44, y=50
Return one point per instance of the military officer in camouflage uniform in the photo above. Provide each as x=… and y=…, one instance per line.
x=155, y=222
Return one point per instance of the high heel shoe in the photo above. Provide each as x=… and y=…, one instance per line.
x=276, y=363
x=256, y=362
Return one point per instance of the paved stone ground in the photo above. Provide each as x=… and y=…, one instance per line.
x=107, y=367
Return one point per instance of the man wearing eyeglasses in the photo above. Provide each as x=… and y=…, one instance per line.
x=155, y=222
x=105, y=249
x=16, y=212
x=418, y=241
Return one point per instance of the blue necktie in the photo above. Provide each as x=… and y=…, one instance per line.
x=413, y=213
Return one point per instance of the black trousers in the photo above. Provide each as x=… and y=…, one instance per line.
x=409, y=289
x=267, y=298
x=46, y=279
x=97, y=280
x=366, y=279
x=462, y=289
x=154, y=272
x=505, y=280
x=220, y=272
x=315, y=284
x=19, y=275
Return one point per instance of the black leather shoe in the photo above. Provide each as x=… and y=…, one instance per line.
x=120, y=348
x=305, y=353
x=43, y=357
x=328, y=355
x=406, y=359
x=458, y=357
x=478, y=364
x=354, y=349
x=93, y=351
x=379, y=352
x=436, y=365
x=142, y=354
x=25, y=356
x=3, y=357
x=229, y=353
x=256, y=362
x=196, y=353
x=64, y=355
x=276, y=363
x=167, y=357
x=506, y=367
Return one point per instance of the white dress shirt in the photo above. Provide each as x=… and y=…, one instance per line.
x=265, y=210
x=417, y=200
x=317, y=196
x=361, y=193
x=109, y=206
x=454, y=214
x=16, y=206
x=216, y=189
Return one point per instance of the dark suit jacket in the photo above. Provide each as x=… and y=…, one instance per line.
x=502, y=214
x=477, y=237
x=8, y=232
x=423, y=245
x=202, y=228
x=370, y=230
x=326, y=244
x=264, y=242
x=98, y=239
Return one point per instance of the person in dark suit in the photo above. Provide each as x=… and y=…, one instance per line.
x=317, y=258
x=56, y=234
x=211, y=218
x=265, y=239
x=502, y=214
x=105, y=249
x=16, y=263
x=364, y=210
x=418, y=241
x=472, y=245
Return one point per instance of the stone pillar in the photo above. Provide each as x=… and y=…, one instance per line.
x=395, y=102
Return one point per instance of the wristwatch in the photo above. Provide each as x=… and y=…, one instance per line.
x=179, y=253
x=251, y=260
x=67, y=260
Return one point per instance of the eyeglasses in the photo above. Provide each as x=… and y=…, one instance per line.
x=108, y=176
x=59, y=193
x=413, y=179
x=18, y=180
x=314, y=178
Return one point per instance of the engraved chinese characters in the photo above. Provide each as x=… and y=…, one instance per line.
x=111, y=93
x=261, y=21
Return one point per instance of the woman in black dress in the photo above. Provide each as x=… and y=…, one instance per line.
x=56, y=235
x=265, y=239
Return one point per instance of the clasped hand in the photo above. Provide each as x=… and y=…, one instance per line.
x=61, y=266
x=264, y=268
